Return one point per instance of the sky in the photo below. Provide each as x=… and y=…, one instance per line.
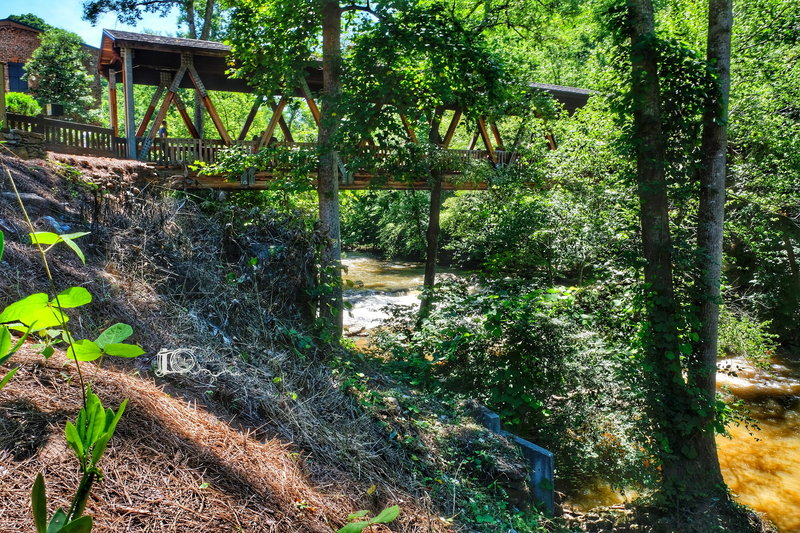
x=66, y=14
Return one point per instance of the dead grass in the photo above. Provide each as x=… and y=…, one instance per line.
x=182, y=277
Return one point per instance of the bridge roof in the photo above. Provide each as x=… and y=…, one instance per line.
x=153, y=54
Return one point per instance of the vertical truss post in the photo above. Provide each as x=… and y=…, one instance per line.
x=112, y=101
x=127, y=83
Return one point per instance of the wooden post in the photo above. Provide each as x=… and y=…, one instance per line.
x=409, y=130
x=3, y=116
x=312, y=105
x=112, y=101
x=496, y=133
x=287, y=133
x=162, y=112
x=130, y=118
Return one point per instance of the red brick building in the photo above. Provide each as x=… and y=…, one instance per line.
x=17, y=43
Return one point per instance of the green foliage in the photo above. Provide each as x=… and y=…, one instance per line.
x=741, y=335
x=23, y=104
x=386, y=516
x=31, y=20
x=57, y=73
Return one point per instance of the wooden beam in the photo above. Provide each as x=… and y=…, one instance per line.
x=287, y=133
x=193, y=131
x=451, y=129
x=312, y=105
x=162, y=112
x=112, y=101
x=251, y=116
x=409, y=130
x=496, y=133
x=127, y=85
x=551, y=140
x=273, y=123
x=486, y=140
x=473, y=141
x=209, y=105
x=148, y=114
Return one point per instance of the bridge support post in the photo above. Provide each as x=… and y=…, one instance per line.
x=130, y=116
x=3, y=116
x=113, y=112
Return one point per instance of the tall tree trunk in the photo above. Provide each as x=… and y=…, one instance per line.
x=432, y=234
x=702, y=369
x=188, y=5
x=208, y=18
x=328, y=180
x=666, y=392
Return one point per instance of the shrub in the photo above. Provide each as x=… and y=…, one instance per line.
x=22, y=104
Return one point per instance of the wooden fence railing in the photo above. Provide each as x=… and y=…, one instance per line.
x=77, y=138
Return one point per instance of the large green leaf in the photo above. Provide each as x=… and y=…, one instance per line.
x=75, y=248
x=72, y=297
x=113, y=334
x=39, y=504
x=353, y=527
x=44, y=318
x=23, y=307
x=57, y=521
x=387, y=515
x=74, y=440
x=79, y=525
x=84, y=350
x=45, y=238
x=123, y=350
x=7, y=377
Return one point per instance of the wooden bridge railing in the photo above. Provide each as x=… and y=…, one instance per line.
x=178, y=151
x=75, y=137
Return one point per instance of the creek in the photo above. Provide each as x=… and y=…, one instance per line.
x=760, y=463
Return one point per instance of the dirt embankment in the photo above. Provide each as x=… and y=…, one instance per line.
x=254, y=433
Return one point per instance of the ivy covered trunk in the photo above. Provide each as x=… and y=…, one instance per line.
x=328, y=183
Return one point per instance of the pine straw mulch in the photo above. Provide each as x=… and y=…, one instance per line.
x=172, y=466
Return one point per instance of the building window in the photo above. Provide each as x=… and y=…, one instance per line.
x=15, y=81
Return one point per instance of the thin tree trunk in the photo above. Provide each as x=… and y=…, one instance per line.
x=208, y=18
x=711, y=213
x=432, y=234
x=188, y=5
x=328, y=181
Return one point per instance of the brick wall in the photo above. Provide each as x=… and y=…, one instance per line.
x=18, y=42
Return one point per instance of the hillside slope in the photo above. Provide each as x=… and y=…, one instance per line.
x=254, y=434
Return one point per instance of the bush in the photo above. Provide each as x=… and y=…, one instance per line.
x=22, y=104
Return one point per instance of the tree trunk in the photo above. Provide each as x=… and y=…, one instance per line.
x=328, y=180
x=665, y=386
x=702, y=369
x=208, y=18
x=432, y=234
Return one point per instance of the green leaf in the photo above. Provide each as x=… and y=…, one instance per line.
x=39, y=504
x=358, y=514
x=387, y=515
x=5, y=342
x=23, y=307
x=45, y=238
x=354, y=527
x=75, y=248
x=114, y=334
x=84, y=350
x=123, y=350
x=79, y=525
x=16, y=347
x=43, y=318
x=74, y=440
x=72, y=297
x=7, y=377
x=121, y=409
x=100, y=448
x=57, y=521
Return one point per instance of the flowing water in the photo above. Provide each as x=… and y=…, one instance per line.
x=761, y=465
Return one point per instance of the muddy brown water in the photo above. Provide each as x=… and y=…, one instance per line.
x=761, y=464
